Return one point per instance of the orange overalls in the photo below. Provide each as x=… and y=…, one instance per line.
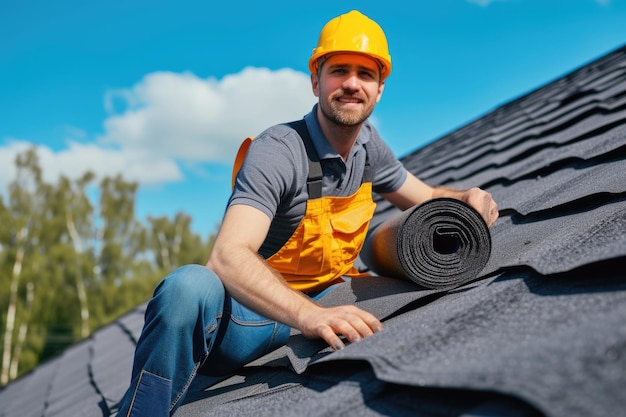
x=329, y=237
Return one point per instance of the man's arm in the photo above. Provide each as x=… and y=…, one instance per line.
x=252, y=282
x=414, y=191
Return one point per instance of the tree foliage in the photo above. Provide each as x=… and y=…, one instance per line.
x=69, y=266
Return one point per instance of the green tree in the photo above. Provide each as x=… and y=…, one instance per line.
x=76, y=210
x=69, y=266
x=174, y=244
x=23, y=225
x=121, y=258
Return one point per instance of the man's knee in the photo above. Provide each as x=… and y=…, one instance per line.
x=187, y=289
x=191, y=280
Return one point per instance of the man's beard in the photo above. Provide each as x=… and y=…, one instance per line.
x=344, y=117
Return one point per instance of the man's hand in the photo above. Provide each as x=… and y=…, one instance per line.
x=328, y=323
x=482, y=201
x=479, y=199
x=415, y=191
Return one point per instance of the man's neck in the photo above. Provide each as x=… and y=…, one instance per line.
x=341, y=138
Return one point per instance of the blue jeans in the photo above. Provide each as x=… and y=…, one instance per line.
x=192, y=324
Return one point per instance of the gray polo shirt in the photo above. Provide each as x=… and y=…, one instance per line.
x=274, y=173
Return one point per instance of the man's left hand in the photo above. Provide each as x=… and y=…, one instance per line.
x=482, y=201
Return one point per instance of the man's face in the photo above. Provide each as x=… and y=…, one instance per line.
x=348, y=87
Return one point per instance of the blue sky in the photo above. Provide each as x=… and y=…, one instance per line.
x=164, y=91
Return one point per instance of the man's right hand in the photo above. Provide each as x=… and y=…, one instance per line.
x=329, y=323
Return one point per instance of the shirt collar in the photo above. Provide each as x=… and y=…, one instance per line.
x=322, y=146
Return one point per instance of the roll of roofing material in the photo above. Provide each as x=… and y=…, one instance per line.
x=440, y=244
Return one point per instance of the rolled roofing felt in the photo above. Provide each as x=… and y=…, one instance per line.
x=440, y=244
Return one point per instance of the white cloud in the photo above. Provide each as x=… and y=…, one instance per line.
x=188, y=118
x=168, y=119
x=135, y=165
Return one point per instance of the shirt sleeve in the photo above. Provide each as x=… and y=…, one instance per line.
x=268, y=174
x=389, y=173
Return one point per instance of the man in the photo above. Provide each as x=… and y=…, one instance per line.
x=293, y=228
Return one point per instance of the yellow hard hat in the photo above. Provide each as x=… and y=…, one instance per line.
x=353, y=32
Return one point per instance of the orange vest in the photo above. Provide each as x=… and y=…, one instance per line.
x=329, y=237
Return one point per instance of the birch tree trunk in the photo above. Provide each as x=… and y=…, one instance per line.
x=12, y=308
x=21, y=336
x=80, y=285
x=165, y=253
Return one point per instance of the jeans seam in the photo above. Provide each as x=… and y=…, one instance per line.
x=132, y=402
x=196, y=365
x=185, y=387
x=271, y=341
x=213, y=325
x=251, y=323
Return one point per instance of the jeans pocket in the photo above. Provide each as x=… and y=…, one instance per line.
x=152, y=396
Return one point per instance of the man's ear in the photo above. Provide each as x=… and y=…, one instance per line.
x=381, y=87
x=315, y=85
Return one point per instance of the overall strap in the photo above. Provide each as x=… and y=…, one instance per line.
x=314, y=179
x=367, y=170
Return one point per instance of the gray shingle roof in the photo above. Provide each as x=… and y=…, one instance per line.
x=541, y=332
